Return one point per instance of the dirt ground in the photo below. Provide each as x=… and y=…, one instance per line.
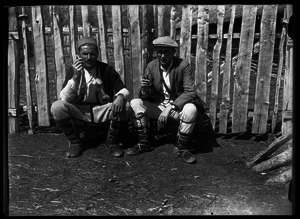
x=43, y=182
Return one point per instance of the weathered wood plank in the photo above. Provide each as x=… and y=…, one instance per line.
x=58, y=51
x=287, y=124
x=86, y=26
x=73, y=31
x=262, y=93
x=216, y=64
x=282, y=177
x=201, y=52
x=225, y=104
x=242, y=70
x=102, y=33
x=29, y=105
x=279, y=75
x=160, y=19
x=185, y=33
x=276, y=161
x=136, y=51
x=155, y=13
x=147, y=34
x=269, y=150
x=41, y=69
x=118, y=40
x=13, y=72
x=173, y=23
x=151, y=32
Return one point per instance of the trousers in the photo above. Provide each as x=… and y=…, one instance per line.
x=86, y=114
x=144, y=109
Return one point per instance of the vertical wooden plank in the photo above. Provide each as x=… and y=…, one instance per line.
x=201, y=51
x=216, y=64
x=160, y=20
x=13, y=73
x=73, y=31
x=173, y=23
x=58, y=51
x=155, y=13
x=86, y=26
x=102, y=27
x=279, y=74
x=151, y=32
x=145, y=36
x=242, y=70
x=136, y=55
x=118, y=40
x=262, y=93
x=225, y=104
x=185, y=33
x=24, y=17
x=287, y=110
x=41, y=70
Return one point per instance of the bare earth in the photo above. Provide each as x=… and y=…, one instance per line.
x=43, y=182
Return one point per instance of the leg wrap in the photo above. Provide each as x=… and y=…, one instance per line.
x=141, y=129
x=183, y=141
x=114, y=131
x=68, y=128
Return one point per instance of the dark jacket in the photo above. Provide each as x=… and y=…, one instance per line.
x=181, y=83
x=110, y=77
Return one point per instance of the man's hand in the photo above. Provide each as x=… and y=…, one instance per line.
x=78, y=67
x=117, y=105
x=163, y=117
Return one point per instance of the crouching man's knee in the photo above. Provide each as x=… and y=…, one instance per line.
x=189, y=112
x=59, y=109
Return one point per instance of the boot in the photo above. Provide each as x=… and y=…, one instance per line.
x=182, y=148
x=112, y=142
x=143, y=145
x=67, y=126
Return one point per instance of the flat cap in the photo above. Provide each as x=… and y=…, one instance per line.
x=165, y=41
x=86, y=40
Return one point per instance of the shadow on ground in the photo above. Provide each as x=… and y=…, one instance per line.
x=43, y=182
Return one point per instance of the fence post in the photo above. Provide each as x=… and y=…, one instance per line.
x=225, y=104
x=287, y=110
x=242, y=70
x=201, y=52
x=13, y=73
x=265, y=60
x=58, y=51
x=73, y=31
x=279, y=73
x=160, y=20
x=185, y=33
x=136, y=51
x=118, y=40
x=41, y=70
x=24, y=17
x=102, y=29
x=216, y=64
x=86, y=27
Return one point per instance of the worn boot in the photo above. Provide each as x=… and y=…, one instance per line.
x=113, y=136
x=182, y=148
x=144, y=143
x=72, y=134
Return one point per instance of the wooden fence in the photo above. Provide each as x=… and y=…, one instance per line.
x=135, y=42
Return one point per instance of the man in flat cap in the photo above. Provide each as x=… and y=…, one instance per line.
x=93, y=95
x=169, y=95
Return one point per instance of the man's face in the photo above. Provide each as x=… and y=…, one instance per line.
x=165, y=54
x=89, y=54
